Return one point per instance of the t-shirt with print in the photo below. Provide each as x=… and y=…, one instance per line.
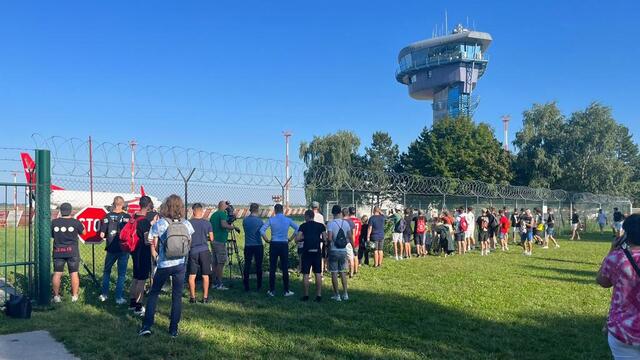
x=376, y=222
x=526, y=223
x=159, y=230
x=504, y=224
x=334, y=227
x=624, y=316
x=65, y=232
x=111, y=226
x=200, y=237
x=357, y=229
x=220, y=234
x=311, y=232
x=483, y=223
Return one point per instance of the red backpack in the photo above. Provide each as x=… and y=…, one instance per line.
x=421, y=226
x=129, y=235
x=463, y=223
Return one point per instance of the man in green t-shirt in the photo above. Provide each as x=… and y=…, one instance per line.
x=220, y=235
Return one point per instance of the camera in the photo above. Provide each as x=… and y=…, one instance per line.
x=231, y=213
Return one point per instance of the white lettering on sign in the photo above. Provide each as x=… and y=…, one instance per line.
x=92, y=225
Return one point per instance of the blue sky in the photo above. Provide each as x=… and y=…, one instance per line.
x=230, y=76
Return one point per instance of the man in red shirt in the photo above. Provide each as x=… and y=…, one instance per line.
x=504, y=230
x=357, y=227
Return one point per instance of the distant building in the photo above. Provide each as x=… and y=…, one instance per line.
x=445, y=69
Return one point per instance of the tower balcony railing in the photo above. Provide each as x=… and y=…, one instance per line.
x=439, y=60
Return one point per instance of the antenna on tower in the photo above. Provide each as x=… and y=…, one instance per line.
x=446, y=22
x=467, y=21
x=505, y=122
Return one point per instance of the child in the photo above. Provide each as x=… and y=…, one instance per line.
x=65, y=231
x=200, y=255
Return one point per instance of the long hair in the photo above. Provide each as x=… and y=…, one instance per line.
x=172, y=208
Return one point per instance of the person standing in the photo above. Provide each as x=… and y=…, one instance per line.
x=618, y=219
x=65, y=231
x=221, y=226
x=620, y=269
x=350, y=255
x=339, y=234
x=407, y=232
x=419, y=231
x=461, y=226
x=396, y=237
x=376, y=234
x=575, y=225
x=483, y=232
x=515, y=224
x=551, y=227
x=199, y=255
x=470, y=240
x=357, y=231
x=141, y=255
x=171, y=227
x=602, y=220
x=279, y=247
x=253, y=248
x=110, y=228
x=363, y=246
x=526, y=228
x=311, y=234
x=504, y=231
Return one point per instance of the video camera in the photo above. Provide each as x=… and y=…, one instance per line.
x=231, y=213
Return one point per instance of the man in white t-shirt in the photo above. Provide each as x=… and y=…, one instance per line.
x=602, y=220
x=471, y=228
x=339, y=235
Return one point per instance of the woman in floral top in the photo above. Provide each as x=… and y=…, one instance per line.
x=618, y=272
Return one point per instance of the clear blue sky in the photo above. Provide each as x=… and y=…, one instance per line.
x=230, y=76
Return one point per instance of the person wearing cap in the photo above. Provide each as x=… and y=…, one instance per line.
x=65, y=232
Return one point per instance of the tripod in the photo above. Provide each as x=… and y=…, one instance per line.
x=232, y=251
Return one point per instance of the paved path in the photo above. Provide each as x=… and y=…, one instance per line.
x=34, y=345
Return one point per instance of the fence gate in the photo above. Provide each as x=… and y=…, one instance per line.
x=17, y=244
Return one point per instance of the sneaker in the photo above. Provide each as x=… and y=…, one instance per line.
x=57, y=299
x=270, y=293
x=205, y=300
x=144, y=332
x=173, y=334
x=545, y=247
x=139, y=311
x=121, y=301
x=397, y=257
x=557, y=246
x=345, y=297
x=336, y=297
x=103, y=298
x=74, y=298
x=318, y=299
x=289, y=293
x=192, y=300
x=221, y=287
x=305, y=298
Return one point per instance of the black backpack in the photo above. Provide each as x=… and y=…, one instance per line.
x=400, y=226
x=493, y=221
x=18, y=306
x=341, y=238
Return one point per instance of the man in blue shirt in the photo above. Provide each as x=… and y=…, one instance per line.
x=279, y=247
x=253, y=248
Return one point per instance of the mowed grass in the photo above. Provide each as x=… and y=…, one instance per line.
x=503, y=306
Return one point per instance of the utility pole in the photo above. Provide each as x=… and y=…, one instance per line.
x=15, y=191
x=133, y=145
x=505, y=122
x=287, y=134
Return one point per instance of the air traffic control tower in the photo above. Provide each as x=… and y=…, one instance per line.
x=445, y=69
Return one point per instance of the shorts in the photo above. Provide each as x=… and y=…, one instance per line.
x=350, y=254
x=406, y=238
x=502, y=235
x=220, y=256
x=492, y=232
x=483, y=236
x=419, y=239
x=536, y=232
x=200, y=261
x=379, y=244
x=311, y=260
x=526, y=237
x=617, y=225
x=460, y=237
x=574, y=227
x=396, y=237
x=73, y=264
x=338, y=262
x=469, y=233
x=141, y=258
x=551, y=231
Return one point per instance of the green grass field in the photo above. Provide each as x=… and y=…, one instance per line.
x=503, y=306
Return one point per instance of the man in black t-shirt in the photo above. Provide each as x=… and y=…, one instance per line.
x=141, y=255
x=618, y=219
x=65, y=232
x=110, y=231
x=312, y=234
x=575, y=225
x=200, y=255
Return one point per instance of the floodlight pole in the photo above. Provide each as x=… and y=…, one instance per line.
x=133, y=145
x=285, y=200
x=186, y=189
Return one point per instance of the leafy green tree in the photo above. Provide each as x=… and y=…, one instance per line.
x=382, y=154
x=540, y=144
x=458, y=148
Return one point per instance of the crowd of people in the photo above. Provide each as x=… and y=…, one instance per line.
x=166, y=245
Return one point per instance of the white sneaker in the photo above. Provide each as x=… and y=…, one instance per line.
x=57, y=299
x=289, y=293
x=139, y=312
x=557, y=246
x=270, y=294
x=545, y=247
x=121, y=301
x=74, y=298
x=397, y=257
x=103, y=298
x=345, y=297
x=336, y=297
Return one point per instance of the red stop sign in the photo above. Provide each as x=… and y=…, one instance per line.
x=90, y=217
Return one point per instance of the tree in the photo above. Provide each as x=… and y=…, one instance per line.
x=458, y=148
x=539, y=144
x=383, y=154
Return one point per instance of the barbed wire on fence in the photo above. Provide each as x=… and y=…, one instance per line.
x=70, y=157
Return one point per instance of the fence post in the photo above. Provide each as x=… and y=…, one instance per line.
x=186, y=190
x=43, y=219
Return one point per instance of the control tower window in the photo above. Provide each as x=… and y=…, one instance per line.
x=414, y=78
